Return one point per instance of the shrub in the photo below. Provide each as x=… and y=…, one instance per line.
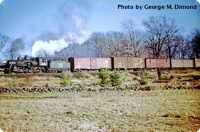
x=116, y=79
x=143, y=80
x=46, y=85
x=65, y=76
x=66, y=82
x=15, y=82
x=104, y=75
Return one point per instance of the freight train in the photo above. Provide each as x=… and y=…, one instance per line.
x=47, y=65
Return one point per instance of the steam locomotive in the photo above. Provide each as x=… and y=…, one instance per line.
x=35, y=65
x=47, y=65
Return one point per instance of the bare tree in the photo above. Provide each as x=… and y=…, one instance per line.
x=196, y=42
x=186, y=50
x=114, y=43
x=135, y=43
x=98, y=40
x=139, y=46
x=107, y=44
x=3, y=41
x=174, y=45
x=174, y=40
x=161, y=31
x=128, y=26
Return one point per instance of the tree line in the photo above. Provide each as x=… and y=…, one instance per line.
x=162, y=38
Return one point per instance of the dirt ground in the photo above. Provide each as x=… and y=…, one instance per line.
x=159, y=110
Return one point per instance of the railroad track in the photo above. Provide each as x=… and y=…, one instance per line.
x=22, y=75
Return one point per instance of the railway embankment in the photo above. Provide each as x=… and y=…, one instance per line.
x=81, y=82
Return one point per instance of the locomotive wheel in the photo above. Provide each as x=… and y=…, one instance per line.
x=43, y=70
x=54, y=71
x=30, y=70
x=38, y=70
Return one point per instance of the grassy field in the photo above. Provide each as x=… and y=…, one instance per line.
x=159, y=110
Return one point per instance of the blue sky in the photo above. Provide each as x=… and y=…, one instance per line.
x=31, y=19
x=108, y=17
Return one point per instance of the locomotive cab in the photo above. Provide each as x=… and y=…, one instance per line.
x=40, y=64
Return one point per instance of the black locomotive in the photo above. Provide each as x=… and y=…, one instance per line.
x=35, y=65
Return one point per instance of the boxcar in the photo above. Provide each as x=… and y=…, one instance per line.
x=98, y=63
x=135, y=63
x=119, y=63
x=79, y=63
x=197, y=62
x=157, y=63
x=163, y=63
x=182, y=63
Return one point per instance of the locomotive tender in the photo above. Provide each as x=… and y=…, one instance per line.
x=47, y=65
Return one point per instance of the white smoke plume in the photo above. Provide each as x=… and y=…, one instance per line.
x=70, y=21
x=51, y=46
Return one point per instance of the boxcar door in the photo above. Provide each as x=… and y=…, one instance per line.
x=129, y=63
x=93, y=62
x=151, y=63
x=159, y=63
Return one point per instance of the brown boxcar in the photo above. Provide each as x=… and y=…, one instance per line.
x=98, y=63
x=197, y=62
x=182, y=63
x=163, y=63
x=135, y=63
x=150, y=63
x=157, y=63
x=119, y=62
x=79, y=63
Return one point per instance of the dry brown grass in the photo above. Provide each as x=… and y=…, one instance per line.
x=171, y=110
x=29, y=81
